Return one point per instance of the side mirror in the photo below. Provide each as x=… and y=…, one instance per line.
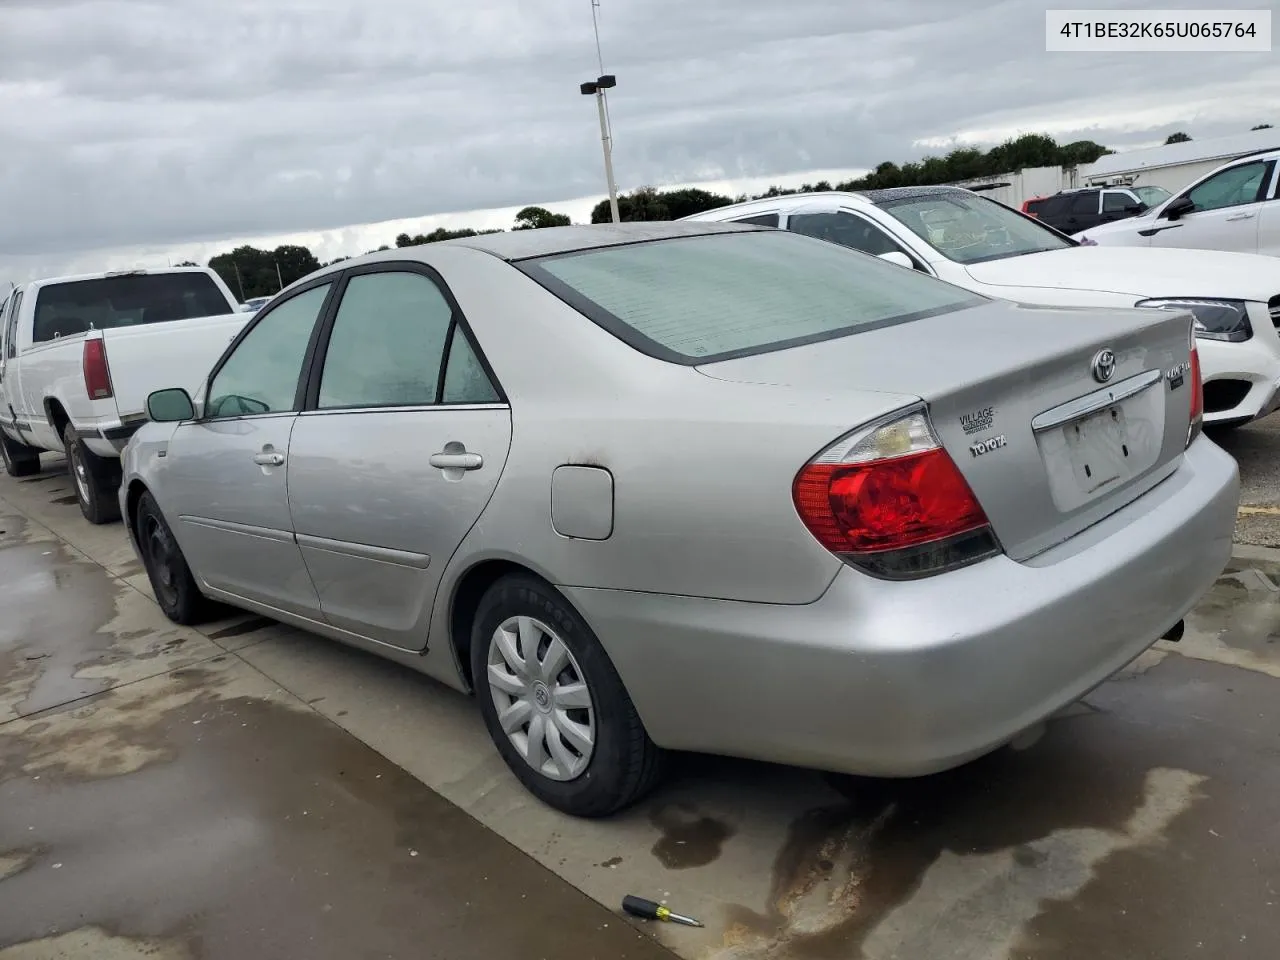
x=170, y=406
x=901, y=259
x=1134, y=209
x=1177, y=208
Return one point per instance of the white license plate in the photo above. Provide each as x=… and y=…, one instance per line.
x=1099, y=449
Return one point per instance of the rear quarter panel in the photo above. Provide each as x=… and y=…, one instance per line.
x=702, y=469
x=52, y=372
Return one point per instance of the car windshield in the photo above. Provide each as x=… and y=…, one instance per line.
x=1152, y=196
x=697, y=299
x=76, y=306
x=970, y=229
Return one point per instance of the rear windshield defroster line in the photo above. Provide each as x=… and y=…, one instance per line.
x=696, y=300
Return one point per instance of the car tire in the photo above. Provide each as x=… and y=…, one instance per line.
x=19, y=459
x=171, y=579
x=621, y=765
x=96, y=479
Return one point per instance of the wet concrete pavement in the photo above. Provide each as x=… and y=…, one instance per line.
x=249, y=791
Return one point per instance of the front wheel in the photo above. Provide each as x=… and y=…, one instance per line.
x=171, y=580
x=97, y=480
x=19, y=459
x=554, y=704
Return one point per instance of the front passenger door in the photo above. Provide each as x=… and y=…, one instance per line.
x=223, y=487
x=1225, y=217
x=397, y=454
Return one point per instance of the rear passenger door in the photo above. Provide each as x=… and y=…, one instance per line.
x=397, y=453
x=1082, y=212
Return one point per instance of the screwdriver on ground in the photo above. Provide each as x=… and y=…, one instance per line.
x=648, y=910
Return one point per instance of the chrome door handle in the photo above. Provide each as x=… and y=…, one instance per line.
x=457, y=461
x=269, y=459
x=1240, y=216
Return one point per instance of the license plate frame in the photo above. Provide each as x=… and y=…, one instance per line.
x=1098, y=448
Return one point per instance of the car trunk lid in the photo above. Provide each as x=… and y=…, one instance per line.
x=1048, y=446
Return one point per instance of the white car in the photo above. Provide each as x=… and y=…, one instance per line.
x=989, y=248
x=1236, y=208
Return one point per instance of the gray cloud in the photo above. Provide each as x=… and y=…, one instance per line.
x=132, y=122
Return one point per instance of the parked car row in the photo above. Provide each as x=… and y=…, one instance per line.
x=1071, y=211
x=1235, y=207
x=981, y=245
x=727, y=487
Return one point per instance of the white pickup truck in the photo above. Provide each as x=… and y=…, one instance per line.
x=79, y=355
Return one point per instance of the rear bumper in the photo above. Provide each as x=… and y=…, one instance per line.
x=109, y=439
x=902, y=679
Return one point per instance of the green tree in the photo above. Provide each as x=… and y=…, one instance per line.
x=1178, y=137
x=251, y=272
x=439, y=233
x=533, y=218
x=187, y=263
x=1261, y=126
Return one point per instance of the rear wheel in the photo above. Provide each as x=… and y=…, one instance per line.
x=19, y=459
x=554, y=704
x=96, y=479
x=175, y=588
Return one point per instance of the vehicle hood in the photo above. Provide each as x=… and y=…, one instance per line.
x=1139, y=272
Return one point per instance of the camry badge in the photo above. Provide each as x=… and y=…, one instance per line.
x=1104, y=365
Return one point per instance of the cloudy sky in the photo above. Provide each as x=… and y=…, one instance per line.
x=135, y=130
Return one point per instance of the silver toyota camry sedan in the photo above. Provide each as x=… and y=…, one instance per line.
x=693, y=486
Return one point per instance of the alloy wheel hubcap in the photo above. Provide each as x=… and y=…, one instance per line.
x=541, y=695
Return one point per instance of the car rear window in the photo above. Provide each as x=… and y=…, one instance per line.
x=76, y=306
x=700, y=299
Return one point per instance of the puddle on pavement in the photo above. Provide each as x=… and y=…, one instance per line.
x=250, y=828
x=688, y=839
x=70, y=630
x=1238, y=621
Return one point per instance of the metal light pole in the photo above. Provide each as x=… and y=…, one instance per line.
x=598, y=87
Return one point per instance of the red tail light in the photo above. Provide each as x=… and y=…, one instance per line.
x=97, y=378
x=890, y=500
x=1197, y=392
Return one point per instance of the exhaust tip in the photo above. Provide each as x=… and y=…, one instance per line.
x=1174, y=633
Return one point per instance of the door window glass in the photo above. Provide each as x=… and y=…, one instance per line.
x=1084, y=203
x=1115, y=202
x=1230, y=188
x=464, y=378
x=262, y=375
x=387, y=344
x=762, y=219
x=846, y=230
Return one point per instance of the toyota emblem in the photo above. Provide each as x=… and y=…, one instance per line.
x=1104, y=365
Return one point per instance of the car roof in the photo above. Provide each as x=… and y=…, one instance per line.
x=516, y=245
x=912, y=193
x=135, y=271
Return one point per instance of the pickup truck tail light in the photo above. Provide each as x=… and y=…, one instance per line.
x=97, y=376
x=890, y=500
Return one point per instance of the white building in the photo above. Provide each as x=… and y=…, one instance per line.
x=1172, y=166
x=1175, y=165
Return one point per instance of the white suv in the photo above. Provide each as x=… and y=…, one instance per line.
x=985, y=246
x=1236, y=208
